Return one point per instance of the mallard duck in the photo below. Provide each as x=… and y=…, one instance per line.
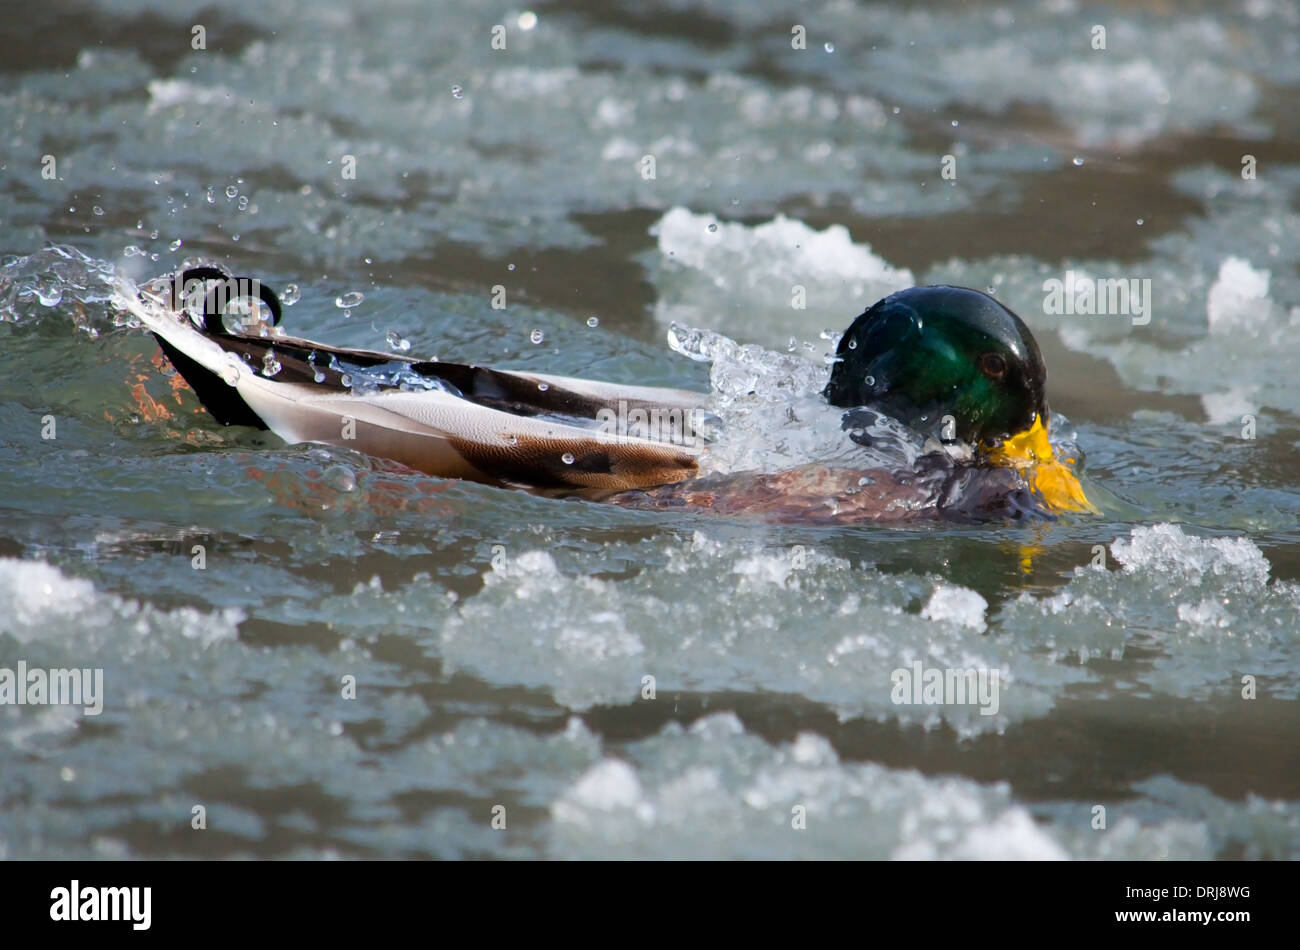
x=927, y=355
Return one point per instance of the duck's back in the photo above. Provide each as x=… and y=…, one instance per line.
x=531, y=430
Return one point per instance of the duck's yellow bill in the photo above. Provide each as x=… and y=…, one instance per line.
x=1031, y=452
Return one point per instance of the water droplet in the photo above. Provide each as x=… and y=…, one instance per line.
x=349, y=300
x=289, y=296
x=270, y=365
x=132, y=250
x=396, y=341
x=49, y=296
x=231, y=191
x=457, y=92
x=593, y=322
x=97, y=211
x=567, y=458
x=829, y=47
x=713, y=227
x=175, y=245
x=340, y=478
x=527, y=20
x=853, y=344
x=1141, y=221
x=510, y=267
x=243, y=202
x=1076, y=160
x=346, y=380
x=869, y=381
x=211, y=196
x=536, y=336
x=543, y=386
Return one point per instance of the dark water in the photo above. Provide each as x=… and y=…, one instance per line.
x=500, y=643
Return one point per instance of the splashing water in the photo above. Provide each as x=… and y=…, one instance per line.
x=55, y=276
x=767, y=415
x=395, y=375
x=772, y=415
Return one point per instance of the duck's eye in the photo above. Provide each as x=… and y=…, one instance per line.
x=993, y=365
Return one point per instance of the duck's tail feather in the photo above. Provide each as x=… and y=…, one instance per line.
x=446, y=419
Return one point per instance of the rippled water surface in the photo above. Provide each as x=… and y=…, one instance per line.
x=607, y=682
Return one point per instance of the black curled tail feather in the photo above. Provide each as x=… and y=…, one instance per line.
x=218, y=289
x=220, y=399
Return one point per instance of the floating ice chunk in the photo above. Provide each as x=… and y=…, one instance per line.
x=812, y=749
x=1262, y=829
x=534, y=563
x=789, y=243
x=764, y=569
x=48, y=722
x=49, y=605
x=764, y=281
x=609, y=784
x=600, y=636
x=1202, y=607
x=717, y=791
x=1008, y=836
x=783, y=245
x=1165, y=550
x=718, y=727
x=1229, y=407
x=169, y=93
x=787, y=630
x=1238, y=299
x=37, y=592
x=959, y=605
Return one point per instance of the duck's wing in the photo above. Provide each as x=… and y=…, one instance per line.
x=446, y=419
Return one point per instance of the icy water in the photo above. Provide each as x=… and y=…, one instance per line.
x=499, y=644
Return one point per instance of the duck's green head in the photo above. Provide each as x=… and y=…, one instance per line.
x=958, y=362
